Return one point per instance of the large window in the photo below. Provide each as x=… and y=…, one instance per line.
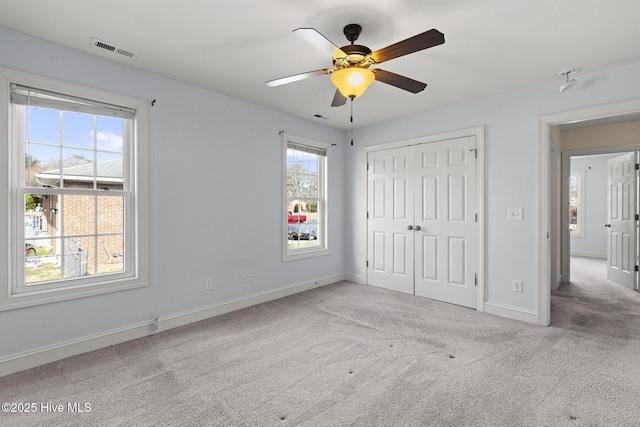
x=76, y=191
x=306, y=189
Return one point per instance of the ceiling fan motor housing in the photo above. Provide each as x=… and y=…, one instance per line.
x=357, y=56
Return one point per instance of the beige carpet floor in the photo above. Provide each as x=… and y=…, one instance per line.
x=354, y=355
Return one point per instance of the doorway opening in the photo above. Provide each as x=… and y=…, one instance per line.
x=594, y=197
x=551, y=246
x=592, y=294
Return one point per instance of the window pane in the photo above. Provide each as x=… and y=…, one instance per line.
x=78, y=215
x=302, y=174
x=78, y=169
x=42, y=125
x=313, y=186
x=109, y=135
x=110, y=171
x=111, y=254
x=78, y=256
x=110, y=214
x=78, y=130
x=42, y=165
x=304, y=224
x=42, y=261
x=35, y=220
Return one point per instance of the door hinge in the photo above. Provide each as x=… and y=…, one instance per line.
x=368, y=215
x=637, y=217
x=636, y=268
x=475, y=152
x=367, y=166
x=367, y=263
x=476, y=217
x=475, y=280
x=637, y=166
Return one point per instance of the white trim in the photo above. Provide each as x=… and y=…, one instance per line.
x=478, y=133
x=202, y=313
x=30, y=359
x=588, y=254
x=544, y=141
x=355, y=278
x=514, y=313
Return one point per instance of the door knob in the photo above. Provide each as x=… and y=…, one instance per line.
x=410, y=227
x=607, y=225
x=417, y=227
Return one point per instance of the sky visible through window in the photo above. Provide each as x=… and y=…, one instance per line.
x=80, y=137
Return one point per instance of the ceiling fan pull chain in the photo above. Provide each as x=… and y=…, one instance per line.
x=352, y=121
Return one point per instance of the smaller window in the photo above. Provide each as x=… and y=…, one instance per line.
x=305, y=188
x=576, y=203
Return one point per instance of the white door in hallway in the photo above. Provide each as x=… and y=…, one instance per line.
x=422, y=227
x=621, y=224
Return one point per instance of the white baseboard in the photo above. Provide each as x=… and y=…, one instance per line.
x=30, y=359
x=588, y=254
x=355, y=278
x=213, y=310
x=514, y=313
x=555, y=286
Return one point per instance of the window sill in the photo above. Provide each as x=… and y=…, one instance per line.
x=28, y=299
x=305, y=254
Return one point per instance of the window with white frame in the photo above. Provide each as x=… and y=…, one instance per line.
x=306, y=203
x=576, y=203
x=77, y=191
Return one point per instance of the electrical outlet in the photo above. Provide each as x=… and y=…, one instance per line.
x=208, y=284
x=517, y=286
x=249, y=276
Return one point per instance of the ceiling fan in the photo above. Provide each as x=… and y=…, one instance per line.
x=351, y=74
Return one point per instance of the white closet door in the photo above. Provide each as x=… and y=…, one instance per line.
x=445, y=213
x=422, y=228
x=390, y=211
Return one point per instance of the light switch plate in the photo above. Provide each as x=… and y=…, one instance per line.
x=514, y=214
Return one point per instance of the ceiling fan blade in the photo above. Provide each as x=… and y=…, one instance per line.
x=296, y=77
x=338, y=99
x=314, y=38
x=412, y=44
x=399, y=81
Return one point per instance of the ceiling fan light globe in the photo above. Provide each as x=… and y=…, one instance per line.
x=352, y=82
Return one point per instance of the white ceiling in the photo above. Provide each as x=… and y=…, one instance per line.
x=233, y=47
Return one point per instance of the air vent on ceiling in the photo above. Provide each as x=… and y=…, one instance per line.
x=99, y=44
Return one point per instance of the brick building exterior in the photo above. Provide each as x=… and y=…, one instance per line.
x=102, y=238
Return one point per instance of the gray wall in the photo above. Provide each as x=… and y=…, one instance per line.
x=216, y=200
x=511, y=157
x=594, y=242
